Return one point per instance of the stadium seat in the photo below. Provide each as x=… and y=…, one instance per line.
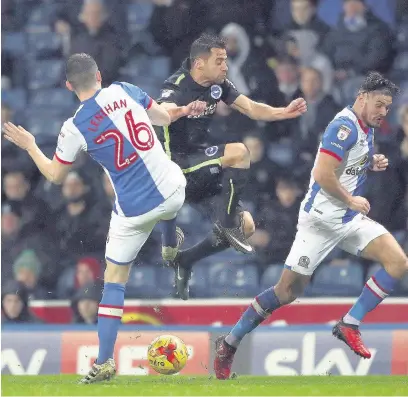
x=66, y=283
x=400, y=66
x=166, y=281
x=44, y=123
x=338, y=280
x=350, y=87
x=271, y=276
x=41, y=17
x=60, y=98
x=199, y=283
x=233, y=280
x=143, y=283
x=281, y=153
x=14, y=44
x=138, y=15
x=46, y=74
x=16, y=98
x=44, y=45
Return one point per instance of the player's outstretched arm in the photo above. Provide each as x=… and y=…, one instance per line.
x=194, y=108
x=262, y=112
x=53, y=170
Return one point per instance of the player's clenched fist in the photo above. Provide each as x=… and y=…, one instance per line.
x=296, y=108
x=195, y=108
x=380, y=163
x=359, y=204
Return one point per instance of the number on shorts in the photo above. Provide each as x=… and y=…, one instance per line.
x=135, y=130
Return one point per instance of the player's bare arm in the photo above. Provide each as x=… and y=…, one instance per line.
x=263, y=112
x=194, y=108
x=53, y=170
x=324, y=174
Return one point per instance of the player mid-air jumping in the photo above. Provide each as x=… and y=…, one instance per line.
x=332, y=214
x=212, y=169
x=114, y=125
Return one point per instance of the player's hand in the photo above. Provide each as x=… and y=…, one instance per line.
x=380, y=163
x=359, y=204
x=19, y=136
x=195, y=108
x=296, y=108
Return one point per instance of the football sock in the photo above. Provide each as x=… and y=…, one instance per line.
x=261, y=307
x=209, y=246
x=234, y=181
x=376, y=289
x=109, y=319
x=169, y=237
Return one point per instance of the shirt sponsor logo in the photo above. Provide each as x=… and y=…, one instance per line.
x=355, y=171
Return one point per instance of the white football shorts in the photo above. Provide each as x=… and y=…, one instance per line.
x=316, y=238
x=127, y=235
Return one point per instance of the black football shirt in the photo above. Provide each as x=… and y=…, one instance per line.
x=189, y=134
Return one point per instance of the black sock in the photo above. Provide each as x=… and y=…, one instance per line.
x=209, y=246
x=233, y=184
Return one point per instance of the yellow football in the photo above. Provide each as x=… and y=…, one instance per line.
x=167, y=354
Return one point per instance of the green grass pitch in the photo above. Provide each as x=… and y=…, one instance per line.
x=65, y=385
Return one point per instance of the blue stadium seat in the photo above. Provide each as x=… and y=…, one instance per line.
x=41, y=17
x=159, y=67
x=66, y=283
x=166, y=281
x=350, y=87
x=59, y=98
x=281, y=153
x=271, y=276
x=44, y=45
x=233, y=280
x=46, y=74
x=44, y=123
x=338, y=280
x=15, y=44
x=16, y=98
x=143, y=283
x=138, y=15
x=199, y=282
x=400, y=67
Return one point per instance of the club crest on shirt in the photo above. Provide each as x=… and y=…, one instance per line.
x=343, y=132
x=216, y=91
x=211, y=151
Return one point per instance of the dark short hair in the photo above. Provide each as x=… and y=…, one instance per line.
x=204, y=44
x=375, y=81
x=80, y=71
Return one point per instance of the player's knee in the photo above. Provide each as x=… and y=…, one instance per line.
x=118, y=274
x=236, y=154
x=249, y=224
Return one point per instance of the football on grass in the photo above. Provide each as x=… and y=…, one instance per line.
x=167, y=354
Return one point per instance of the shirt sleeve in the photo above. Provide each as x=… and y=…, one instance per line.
x=340, y=136
x=170, y=93
x=69, y=145
x=229, y=92
x=137, y=94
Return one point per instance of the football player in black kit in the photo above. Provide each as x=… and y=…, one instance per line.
x=212, y=169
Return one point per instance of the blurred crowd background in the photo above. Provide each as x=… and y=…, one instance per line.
x=53, y=237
